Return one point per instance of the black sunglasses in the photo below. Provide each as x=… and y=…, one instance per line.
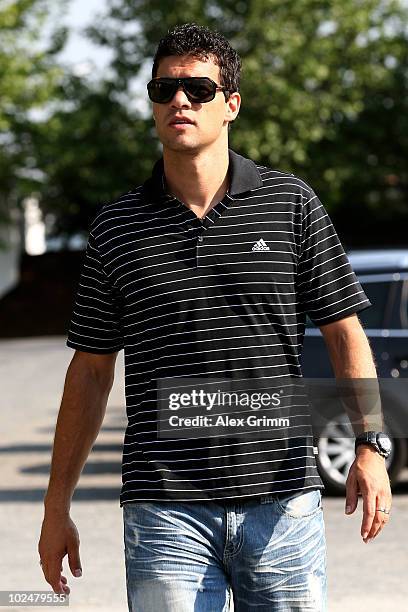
x=197, y=89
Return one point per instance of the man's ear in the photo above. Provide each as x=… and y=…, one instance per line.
x=233, y=105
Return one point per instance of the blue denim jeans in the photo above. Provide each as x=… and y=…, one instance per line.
x=189, y=556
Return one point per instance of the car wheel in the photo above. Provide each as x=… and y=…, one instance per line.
x=336, y=454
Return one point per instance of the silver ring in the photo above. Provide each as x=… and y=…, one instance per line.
x=382, y=510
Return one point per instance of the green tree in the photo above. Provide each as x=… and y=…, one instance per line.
x=28, y=76
x=92, y=150
x=324, y=87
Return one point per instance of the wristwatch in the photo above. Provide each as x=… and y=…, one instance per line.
x=379, y=440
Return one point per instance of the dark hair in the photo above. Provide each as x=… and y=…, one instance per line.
x=202, y=43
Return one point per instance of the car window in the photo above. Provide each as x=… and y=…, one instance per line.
x=377, y=293
x=373, y=317
x=404, y=305
x=309, y=322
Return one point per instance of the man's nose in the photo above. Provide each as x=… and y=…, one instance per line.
x=180, y=98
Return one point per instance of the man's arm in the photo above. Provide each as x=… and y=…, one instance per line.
x=87, y=386
x=351, y=357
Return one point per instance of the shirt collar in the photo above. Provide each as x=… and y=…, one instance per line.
x=244, y=176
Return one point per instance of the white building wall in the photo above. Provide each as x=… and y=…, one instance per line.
x=10, y=238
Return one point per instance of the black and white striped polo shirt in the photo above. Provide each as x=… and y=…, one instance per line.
x=223, y=296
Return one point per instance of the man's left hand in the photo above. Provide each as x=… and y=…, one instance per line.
x=368, y=476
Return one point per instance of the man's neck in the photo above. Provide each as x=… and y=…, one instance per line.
x=199, y=181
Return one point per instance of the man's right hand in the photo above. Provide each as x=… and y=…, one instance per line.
x=59, y=536
x=87, y=385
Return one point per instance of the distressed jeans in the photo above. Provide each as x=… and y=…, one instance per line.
x=268, y=553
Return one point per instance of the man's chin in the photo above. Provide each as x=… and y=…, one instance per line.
x=180, y=146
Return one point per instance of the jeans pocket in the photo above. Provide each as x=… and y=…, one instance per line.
x=300, y=505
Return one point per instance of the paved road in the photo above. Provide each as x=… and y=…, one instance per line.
x=362, y=577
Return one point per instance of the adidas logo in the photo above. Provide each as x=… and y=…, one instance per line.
x=260, y=245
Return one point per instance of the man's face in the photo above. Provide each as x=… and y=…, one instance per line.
x=210, y=119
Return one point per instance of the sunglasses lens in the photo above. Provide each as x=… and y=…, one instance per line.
x=161, y=91
x=200, y=90
x=197, y=89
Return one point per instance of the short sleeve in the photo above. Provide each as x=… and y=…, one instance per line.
x=96, y=322
x=327, y=287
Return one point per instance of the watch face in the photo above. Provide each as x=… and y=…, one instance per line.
x=384, y=442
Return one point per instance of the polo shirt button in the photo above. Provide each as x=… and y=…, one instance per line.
x=200, y=238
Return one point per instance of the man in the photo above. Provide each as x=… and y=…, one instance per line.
x=207, y=271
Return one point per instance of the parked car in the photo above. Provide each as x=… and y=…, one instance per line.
x=383, y=275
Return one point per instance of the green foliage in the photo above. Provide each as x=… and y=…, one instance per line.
x=28, y=75
x=91, y=152
x=324, y=95
x=323, y=84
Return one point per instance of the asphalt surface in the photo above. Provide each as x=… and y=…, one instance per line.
x=361, y=577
